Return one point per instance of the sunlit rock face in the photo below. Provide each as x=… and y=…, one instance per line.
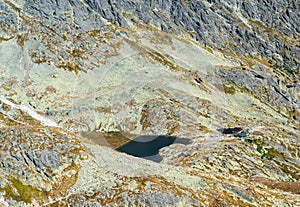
x=81, y=79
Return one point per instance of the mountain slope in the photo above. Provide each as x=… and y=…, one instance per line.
x=223, y=75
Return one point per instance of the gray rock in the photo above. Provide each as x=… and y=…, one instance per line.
x=193, y=16
x=49, y=159
x=242, y=194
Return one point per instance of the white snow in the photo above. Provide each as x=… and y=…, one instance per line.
x=30, y=112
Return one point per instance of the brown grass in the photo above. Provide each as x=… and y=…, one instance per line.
x=109, y=139
x=293, y=187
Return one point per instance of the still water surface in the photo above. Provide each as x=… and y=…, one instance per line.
x=147, y=147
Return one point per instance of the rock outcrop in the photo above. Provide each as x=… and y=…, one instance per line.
x=223, y=75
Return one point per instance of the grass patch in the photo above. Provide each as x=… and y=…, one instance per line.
x=229, y=90
x=17, y=191
x=226, y=89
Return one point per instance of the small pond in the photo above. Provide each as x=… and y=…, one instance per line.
x=144, y=146
x=148, y=147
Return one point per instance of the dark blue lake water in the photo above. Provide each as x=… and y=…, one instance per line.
x=148, y=146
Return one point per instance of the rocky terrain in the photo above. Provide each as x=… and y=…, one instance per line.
x=79, y=79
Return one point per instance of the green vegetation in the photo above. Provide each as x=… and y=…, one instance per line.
x=259, y=147
x=16, y=190
x=272, y=153
x=229, y=90
x=268, y=153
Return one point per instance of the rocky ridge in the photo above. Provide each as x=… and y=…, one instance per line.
x=189, y=69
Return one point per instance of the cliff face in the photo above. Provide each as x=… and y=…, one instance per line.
x=264, y=30
x=222, y=74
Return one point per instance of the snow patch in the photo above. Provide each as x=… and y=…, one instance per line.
x=30, y=112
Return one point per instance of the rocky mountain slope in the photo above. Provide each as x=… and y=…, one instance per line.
x=80, y=78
